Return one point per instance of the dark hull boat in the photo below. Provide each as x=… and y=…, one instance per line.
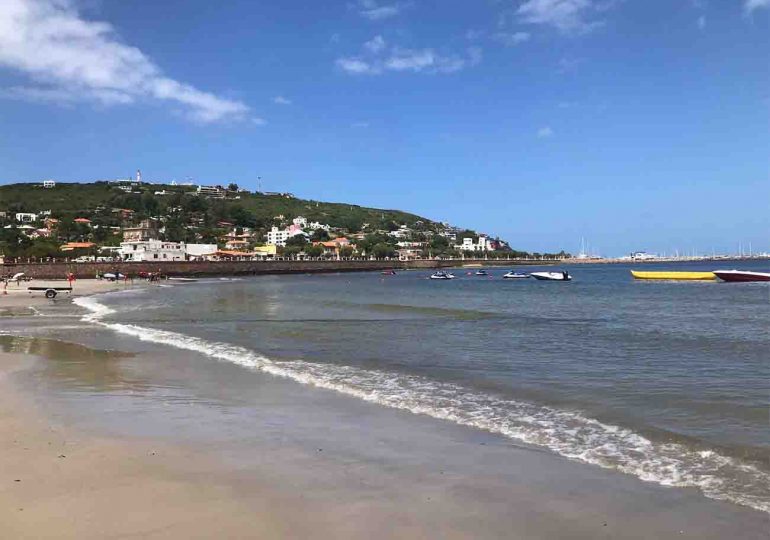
x=741, y=276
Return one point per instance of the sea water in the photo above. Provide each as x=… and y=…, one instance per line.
x=665, y=381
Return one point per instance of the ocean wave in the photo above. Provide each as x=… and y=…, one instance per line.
x=567, y=433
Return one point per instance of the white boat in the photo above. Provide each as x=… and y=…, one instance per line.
x=515, y=275
x=481, y=273
x=441, y=275
x=552, y=276
x=182, y=279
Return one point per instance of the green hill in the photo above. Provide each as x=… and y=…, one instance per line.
x=241, y=208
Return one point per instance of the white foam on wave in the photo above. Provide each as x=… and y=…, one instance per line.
x=567, y=433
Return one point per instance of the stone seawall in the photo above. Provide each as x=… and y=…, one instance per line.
x=58, y=270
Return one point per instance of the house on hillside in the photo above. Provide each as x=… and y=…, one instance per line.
x=212, y=192
x=48, y=184
x=483, y=244
x=333, y=247
x=147, y=229
x=278, y=237
x=237, y=245
x=24, y=217
x=123, y=213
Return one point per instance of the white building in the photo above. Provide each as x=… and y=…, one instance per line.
x=300, y=222
x=22, y=217
x=278, y=237
x=48, y=184
x=214, y=192
x=315, y=225
x=152, y=250
x=483, y=244
x=401, y=232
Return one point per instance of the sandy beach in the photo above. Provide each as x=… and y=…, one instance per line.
x=17, y=296
x=312, y=464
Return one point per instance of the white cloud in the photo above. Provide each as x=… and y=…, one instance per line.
x=702, y=22
x=72, y=59
x=359, y=125
x=750, y=5
x=377, y=58
x=372, y=10
x=356, y=66
x=414, y=60
x=410, y=60
x=375, y=45
x=280, y=100
x=512, y=38
x=544, y=132
x=568, y=16
x=258, y=121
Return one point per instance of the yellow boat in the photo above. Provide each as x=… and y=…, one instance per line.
x=689, y=276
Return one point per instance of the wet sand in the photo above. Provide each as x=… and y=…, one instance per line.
x=313, y=464
x=14, y=296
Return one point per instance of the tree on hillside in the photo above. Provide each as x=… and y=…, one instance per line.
x=232, y=186
x=314, y=251
x=298, y=240
x=319, y=235
x=383, y=250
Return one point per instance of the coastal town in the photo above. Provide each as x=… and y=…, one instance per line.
x=133, y=220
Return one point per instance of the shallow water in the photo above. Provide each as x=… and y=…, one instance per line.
x=665, y=381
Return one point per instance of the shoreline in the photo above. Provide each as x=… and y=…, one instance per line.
x=546, y=496
x=14, y=298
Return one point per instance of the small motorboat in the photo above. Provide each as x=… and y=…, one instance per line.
x=552, y=276
x=388, y=272
x=441, y=275
x=675, y=275
x=481, y=273
x=741, y=276
x=515, y=275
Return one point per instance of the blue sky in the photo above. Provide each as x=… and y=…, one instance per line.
x=635, y=124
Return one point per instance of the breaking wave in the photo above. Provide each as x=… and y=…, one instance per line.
x=567, y=433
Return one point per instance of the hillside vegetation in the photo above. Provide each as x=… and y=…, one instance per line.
x=240, y=207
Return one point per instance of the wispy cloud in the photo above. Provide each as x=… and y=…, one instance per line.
x=544, y=132
x=567, y=16
x=702, y=22
x=72, y=59
x=512, y=38
x=280, y=100
x=750, y=5
x=374, y=11
x=375, y=45
x=359, y=125
x=377, y=57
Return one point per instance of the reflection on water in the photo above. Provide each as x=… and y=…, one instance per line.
x=75, y=366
